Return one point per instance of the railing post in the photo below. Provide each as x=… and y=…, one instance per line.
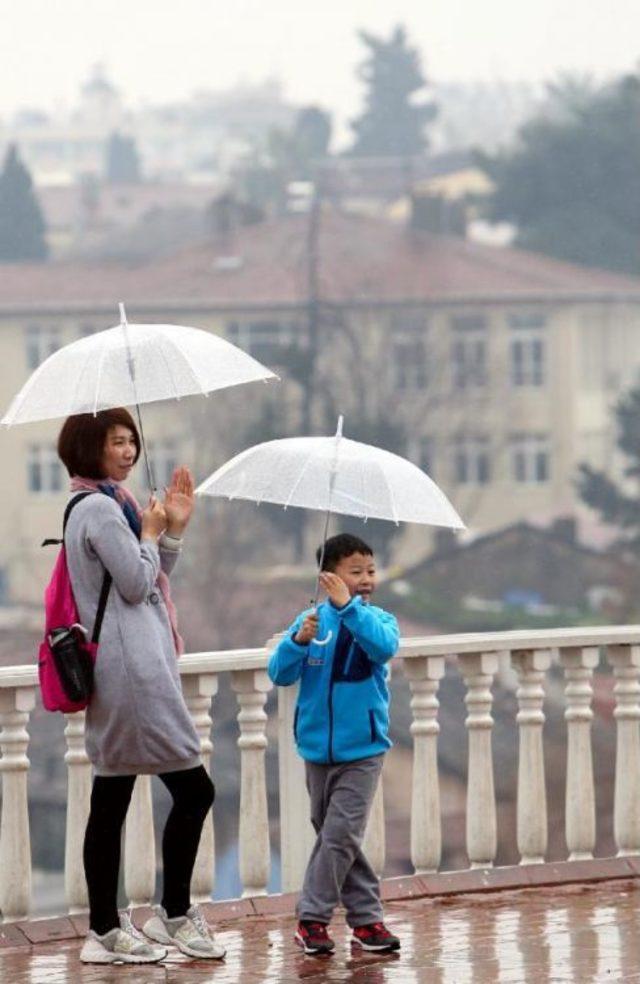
x=16, y=703
x=296, y=833
x=580, y=814
x=78, y=806
x=374, y=842
x=251, y=687
x=424, y=674
x=531, y=666
x=478, y=670
x=198, y=690
x=626, y=812
x=140, y=846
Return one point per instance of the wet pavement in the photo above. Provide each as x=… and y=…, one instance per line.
x=574, y=933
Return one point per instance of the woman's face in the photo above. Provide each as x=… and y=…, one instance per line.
x=119, y=454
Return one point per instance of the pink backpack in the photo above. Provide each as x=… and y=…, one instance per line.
x=67, y=654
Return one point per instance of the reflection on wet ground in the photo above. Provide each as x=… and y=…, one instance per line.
x=576, y=934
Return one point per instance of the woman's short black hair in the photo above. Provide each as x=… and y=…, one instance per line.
x=82, y=439
x=340, y=546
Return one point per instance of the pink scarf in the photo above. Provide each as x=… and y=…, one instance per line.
x=88, y=484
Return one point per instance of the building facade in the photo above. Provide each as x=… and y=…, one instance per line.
x=499, y=369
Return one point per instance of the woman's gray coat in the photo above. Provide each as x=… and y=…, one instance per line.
x=137, y=720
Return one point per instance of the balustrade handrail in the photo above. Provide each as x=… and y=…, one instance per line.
x=229, y=660
x=423, y=660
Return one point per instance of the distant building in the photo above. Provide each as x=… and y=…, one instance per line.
x=502, y=365
x=204, y=135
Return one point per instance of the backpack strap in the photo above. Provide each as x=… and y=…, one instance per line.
x=106, y=580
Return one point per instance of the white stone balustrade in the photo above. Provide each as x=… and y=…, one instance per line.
x=626, y=810
x=474, y=656
x=78, y=804
x=425, y=673
x=580, y=809
x=531, y=666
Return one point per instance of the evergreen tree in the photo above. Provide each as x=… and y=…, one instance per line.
x=122, y=160
x=393, y=123
x=619, y=504
x=22, y=228
x=571, y=185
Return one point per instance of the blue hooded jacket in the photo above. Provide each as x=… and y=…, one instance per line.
x=342, y=712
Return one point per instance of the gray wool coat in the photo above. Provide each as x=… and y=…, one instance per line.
x=137, y=720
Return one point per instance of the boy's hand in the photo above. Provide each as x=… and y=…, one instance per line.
x=307, y=631
x=336, y=588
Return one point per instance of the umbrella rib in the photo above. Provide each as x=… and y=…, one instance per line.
x=170, y=371
x=298, y=480
x=391, y=500
x=192, y=371
x=98, y=378
x=78, y=381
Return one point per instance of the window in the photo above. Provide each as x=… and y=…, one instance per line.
x=423, y=454
x=527, y=349
x=409, y=350
x=469, y=351
x=262, y=338
x=164, y=459
x=44, y=469
x=530, y=458
x=41, y=342
x=471, y=464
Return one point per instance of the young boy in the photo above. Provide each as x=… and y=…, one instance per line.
x=340, y=727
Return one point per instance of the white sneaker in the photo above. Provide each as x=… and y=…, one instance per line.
x=190, y=933
x=119, y=947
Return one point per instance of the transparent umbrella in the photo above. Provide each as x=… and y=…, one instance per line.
x=128, y=365
x=333, y=475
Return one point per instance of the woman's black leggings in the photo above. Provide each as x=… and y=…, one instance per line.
x=193, y=794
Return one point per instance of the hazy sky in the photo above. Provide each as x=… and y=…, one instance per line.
x=157, y=50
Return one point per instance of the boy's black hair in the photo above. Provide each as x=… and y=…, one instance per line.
x=340, y=546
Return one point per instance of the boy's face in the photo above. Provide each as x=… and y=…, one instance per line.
x=358, y=571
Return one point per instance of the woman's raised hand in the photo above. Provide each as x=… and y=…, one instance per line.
x=179, y=501
x=154, y=520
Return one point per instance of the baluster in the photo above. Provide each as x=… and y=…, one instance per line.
x=198, y=690
x=296, y=833
x=478, y=670
x=374, y=842
x=531, y=666
x=626, y=811
x=251, y=687
x=580, y=815
x=424, y=674
x=78, y=806
x=140, y=846
x=16, y=703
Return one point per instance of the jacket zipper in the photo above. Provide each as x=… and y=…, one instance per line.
x=331, y=762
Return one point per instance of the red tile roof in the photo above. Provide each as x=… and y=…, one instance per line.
x=361, y=260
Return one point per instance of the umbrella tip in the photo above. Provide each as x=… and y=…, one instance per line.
x=123, y=316
x=340, y=423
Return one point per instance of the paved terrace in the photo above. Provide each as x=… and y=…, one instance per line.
x=471, y=932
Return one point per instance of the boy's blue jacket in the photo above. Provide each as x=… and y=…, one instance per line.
x=342, y=712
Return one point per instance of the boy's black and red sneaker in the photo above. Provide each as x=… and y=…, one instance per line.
x=375, y=936
x=314, y=938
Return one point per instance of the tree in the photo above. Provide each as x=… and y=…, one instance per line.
x=122, y=165
x=572, y=184
x=392, y=124
x=290, y=156
x=22, y=227
x=619, y=505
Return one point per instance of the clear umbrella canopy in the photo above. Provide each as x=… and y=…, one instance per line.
x=131, y=364
x=334, y=474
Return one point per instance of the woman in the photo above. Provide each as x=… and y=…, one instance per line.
x=137, y=721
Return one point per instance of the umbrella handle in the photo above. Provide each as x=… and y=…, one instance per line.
x=325, y=641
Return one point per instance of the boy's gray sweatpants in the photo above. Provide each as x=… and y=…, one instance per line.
x=341, y=797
